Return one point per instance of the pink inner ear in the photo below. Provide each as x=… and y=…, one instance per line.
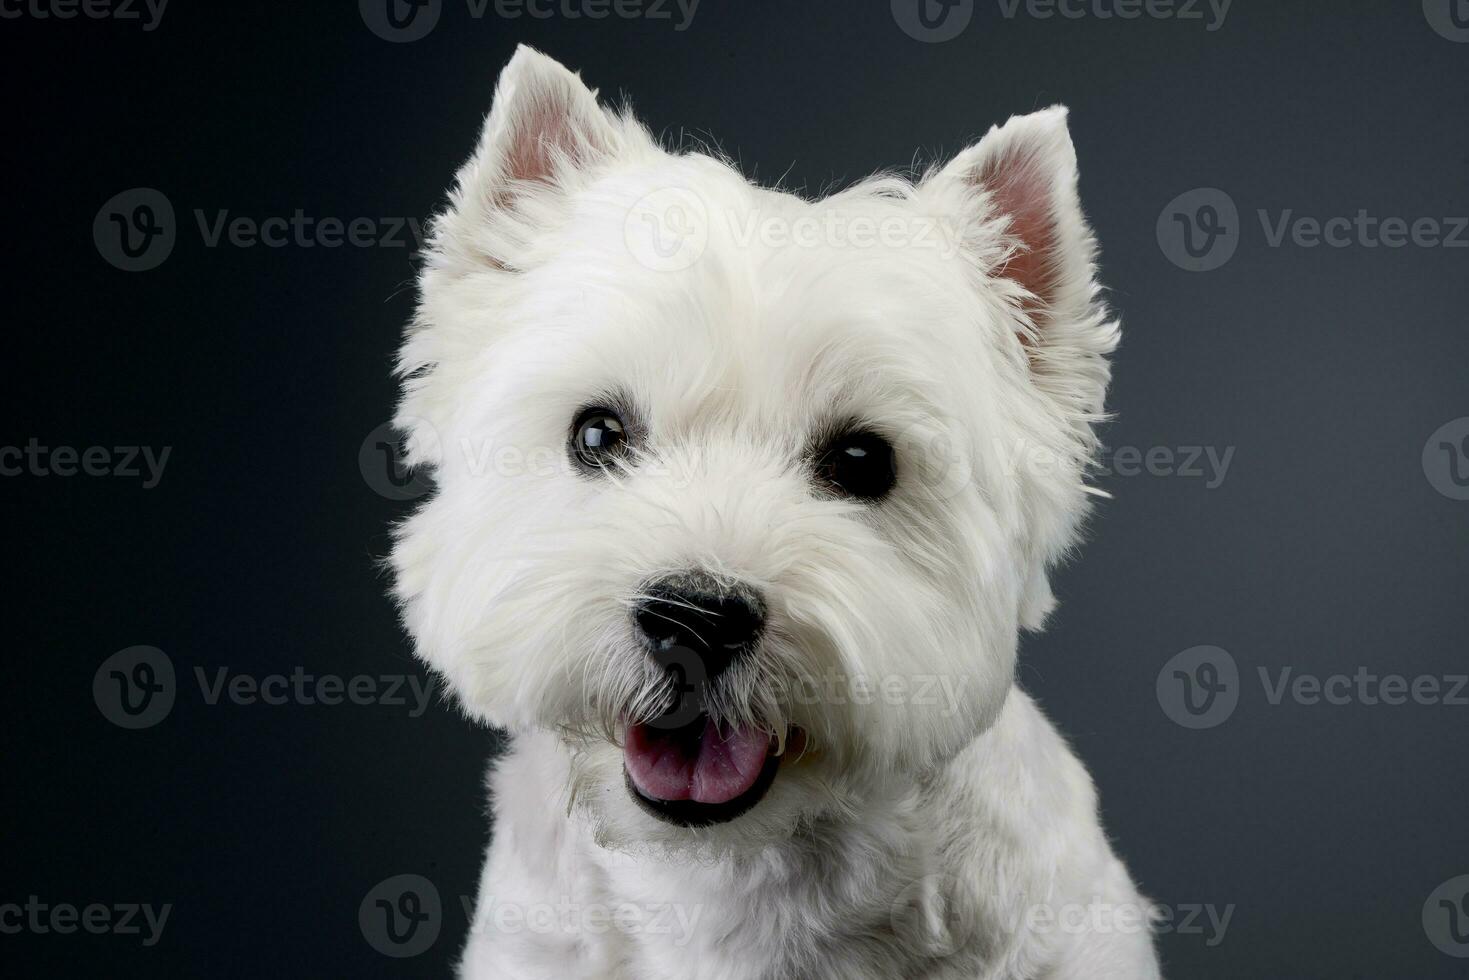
x=542, y=130
x=1019, y=188
x=528, y=157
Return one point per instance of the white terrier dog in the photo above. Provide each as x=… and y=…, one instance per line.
x=742, y=502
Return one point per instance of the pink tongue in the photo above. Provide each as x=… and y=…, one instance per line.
x=706, y=767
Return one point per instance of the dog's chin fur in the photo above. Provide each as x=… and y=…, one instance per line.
x=972, y=338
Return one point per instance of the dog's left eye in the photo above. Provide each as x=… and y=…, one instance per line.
x=858, y=464
x=598, y=437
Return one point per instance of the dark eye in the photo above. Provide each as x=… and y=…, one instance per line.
x=858, y=464
x=598, y=438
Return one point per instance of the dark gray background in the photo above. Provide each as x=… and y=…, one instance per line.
x=1325, y=549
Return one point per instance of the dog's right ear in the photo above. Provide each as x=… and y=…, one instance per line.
x=544, y=132
x=545, y=138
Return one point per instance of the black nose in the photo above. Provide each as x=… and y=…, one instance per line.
x=715, y=622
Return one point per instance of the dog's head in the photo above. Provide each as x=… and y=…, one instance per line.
x=744, y=496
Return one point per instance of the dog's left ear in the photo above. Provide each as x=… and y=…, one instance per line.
x=1025, y=175
x=1034, y=249
x=543, y=123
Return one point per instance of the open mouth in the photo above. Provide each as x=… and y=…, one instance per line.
x=701, y=773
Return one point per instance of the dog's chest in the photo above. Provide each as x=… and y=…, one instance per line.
x=802, y=914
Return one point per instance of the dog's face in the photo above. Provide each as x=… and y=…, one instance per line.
x=744, y=497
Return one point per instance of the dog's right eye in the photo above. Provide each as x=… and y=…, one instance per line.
x=598, y=438
x=858, y=464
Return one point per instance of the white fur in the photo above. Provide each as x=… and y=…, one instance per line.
x=909, y=839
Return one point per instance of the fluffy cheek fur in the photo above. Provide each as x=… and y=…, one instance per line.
x=521, y=572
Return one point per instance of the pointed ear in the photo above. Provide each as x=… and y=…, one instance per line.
x=544, y=119
x=1025, y=173
x=545, y=131
x=544, y=139
x=1035, y=249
